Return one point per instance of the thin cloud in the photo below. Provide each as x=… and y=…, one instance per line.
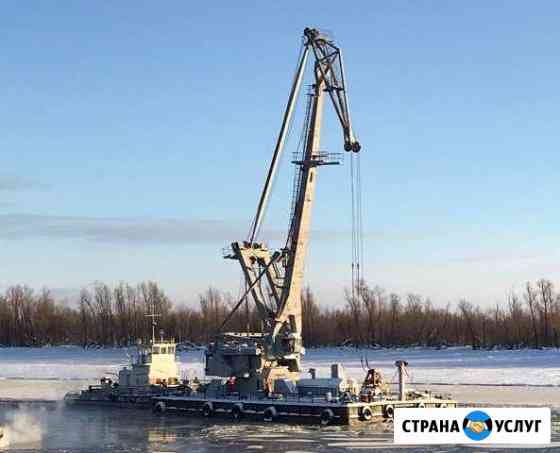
x=133, y=230
x=508, y=257
x=21, y=226
x=17, y=183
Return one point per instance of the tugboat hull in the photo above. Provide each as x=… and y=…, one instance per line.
x=123, y=398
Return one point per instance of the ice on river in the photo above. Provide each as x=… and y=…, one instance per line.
x=452, y=365
x=86, y=430
x=48, y=373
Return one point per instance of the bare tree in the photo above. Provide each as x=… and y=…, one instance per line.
x=531, y=300
x=545, y=290
x=116, y=315
x=354, y=304
x=468, y=312
x=86, y=314
x=395, y=312
x=103, y=301
x=310, y=315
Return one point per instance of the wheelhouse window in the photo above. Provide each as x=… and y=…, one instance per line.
x=145, y=358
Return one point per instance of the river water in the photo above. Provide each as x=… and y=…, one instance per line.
x=55, y=428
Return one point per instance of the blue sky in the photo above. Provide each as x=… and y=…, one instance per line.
x=135, y=137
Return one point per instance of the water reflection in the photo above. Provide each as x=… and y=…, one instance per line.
x=56, y=429
x=96, y=429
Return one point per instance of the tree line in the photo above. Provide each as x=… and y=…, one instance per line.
x=116, y=316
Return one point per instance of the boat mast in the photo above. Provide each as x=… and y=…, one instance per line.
x=153, y=316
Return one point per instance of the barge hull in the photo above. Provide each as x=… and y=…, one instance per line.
x=297, y=411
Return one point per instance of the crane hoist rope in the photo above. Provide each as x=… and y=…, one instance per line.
x=357, y=225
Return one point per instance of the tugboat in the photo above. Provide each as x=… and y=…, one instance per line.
x=153, y=372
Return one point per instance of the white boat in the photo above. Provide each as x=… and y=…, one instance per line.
x=154, y=371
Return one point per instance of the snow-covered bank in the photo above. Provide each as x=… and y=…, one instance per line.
x=452, y=365
x=75, y=363
x=48, y=373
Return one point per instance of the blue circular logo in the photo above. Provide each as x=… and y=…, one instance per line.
x=477, y=425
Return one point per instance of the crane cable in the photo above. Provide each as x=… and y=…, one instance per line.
x=254, y=227
x=357, y=224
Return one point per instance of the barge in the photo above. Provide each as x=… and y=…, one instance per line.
x=152, y=383
x=325, y=401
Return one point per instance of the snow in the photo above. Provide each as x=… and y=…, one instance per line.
x=452, y=365
x=75, y=363
x=50, y=372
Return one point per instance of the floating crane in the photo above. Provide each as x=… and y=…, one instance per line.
x=262, y=368
x=256, y=360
